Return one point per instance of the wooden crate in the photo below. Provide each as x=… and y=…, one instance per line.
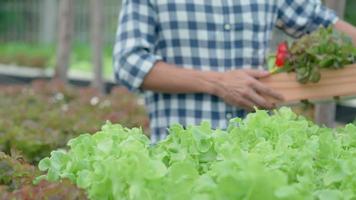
x=333, y=83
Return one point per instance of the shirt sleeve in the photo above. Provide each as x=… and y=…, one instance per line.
x=298, y=17
x=134, y=47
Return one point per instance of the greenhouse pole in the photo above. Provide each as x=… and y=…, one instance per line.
x=66, y=29
x=337, y=5
x=325, y=112
x=48, y=21
x=97, y=35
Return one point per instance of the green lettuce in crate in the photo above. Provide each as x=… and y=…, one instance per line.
x=279, y=156
x=323, y=49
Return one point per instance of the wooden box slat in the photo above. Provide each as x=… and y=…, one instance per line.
x=333, y=83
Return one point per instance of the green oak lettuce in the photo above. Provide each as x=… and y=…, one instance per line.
x=279, y=156
x=322, y=49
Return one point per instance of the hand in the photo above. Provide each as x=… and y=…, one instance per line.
x=242, y=88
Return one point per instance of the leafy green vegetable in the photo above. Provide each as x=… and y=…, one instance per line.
x=279, y=156
x=322, y=49
x=16, y=183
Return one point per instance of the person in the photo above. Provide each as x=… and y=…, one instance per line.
x=198, y=60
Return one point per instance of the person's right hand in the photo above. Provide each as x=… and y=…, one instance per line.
x=242, y=88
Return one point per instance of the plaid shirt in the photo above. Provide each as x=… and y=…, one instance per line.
x=211, y=35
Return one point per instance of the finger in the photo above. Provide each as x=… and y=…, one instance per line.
x=257, y=73
x=244, y=103
x=260, y=88
x=259, y=101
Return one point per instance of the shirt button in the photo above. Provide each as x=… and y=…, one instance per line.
x=228, y=115
x=227, y=27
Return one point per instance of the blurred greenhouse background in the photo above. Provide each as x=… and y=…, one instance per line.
x=29, y=32
x=35, y=21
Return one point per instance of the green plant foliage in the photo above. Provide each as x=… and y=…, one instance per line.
x=13, y=173
x=350, y=14
x=37, y=119
x=30, y=55
x=322, y=49
x=16, y=183
x=282, y=156
x=44, y=56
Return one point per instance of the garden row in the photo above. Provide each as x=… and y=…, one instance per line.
x=42, y=117
x=262, y=157
x=16, y=183
x=43, y=57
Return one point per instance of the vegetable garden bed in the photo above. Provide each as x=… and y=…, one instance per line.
x=283, y=156
x=16, y=179
x=262, y=157
x=39, y=118
x=44, y=116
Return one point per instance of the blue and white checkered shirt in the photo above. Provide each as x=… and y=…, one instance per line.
x=211, y=35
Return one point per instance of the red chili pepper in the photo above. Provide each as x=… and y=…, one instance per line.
x=282, y=54
x=283, y=47
x=280, y=60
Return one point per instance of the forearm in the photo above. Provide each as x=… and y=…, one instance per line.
x=168, y=78
x=235, y=87
x=346, y=28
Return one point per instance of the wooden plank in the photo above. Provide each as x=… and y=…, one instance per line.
x=333, y=83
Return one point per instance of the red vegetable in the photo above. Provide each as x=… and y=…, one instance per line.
x=282, y=54
x=283, y=47
x=280, y=60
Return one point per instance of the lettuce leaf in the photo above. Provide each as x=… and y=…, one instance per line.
x=279, y=156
